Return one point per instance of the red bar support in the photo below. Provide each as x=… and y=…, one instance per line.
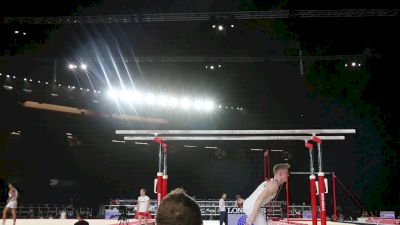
x=313, y=193
x=159, y=187
x=322, y=205
x=164, y=187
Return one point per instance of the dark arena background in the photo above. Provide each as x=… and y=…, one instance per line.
x=72, y=73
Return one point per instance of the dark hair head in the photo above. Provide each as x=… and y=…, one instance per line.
x=177, y=208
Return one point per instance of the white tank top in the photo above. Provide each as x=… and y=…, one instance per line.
x=253, y=197
x=15, y=195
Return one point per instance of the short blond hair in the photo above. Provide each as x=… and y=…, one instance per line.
x=280, y=166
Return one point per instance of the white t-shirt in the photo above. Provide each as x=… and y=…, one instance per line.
x=143, y=203
x=221, y=205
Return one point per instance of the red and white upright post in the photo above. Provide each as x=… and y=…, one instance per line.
x=165, y=176
x=159, y=173
x=321, y=182
x=313, y=191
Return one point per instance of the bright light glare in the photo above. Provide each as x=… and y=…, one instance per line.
x=127, y=96
x=164, y=100
x=199, y=104
x=209, y=105
x=173, y=101
x=137, y=97
x=167, y=101
x=150, y=99
x=185, y=103
x=112, y=94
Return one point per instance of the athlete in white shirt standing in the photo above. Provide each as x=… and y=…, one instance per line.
x=264, y=193
x=223, y=218
x=143, y=206
x=11, y=203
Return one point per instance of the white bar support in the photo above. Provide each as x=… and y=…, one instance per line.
x=326, y=185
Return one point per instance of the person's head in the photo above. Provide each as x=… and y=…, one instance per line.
x=177, y=208
x=142, y=192
x=79, y=216
x=281, y=172
x=223, y=196
x=238, y=197
x=10, y=185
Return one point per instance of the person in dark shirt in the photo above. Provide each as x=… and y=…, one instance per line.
x=81, y=221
